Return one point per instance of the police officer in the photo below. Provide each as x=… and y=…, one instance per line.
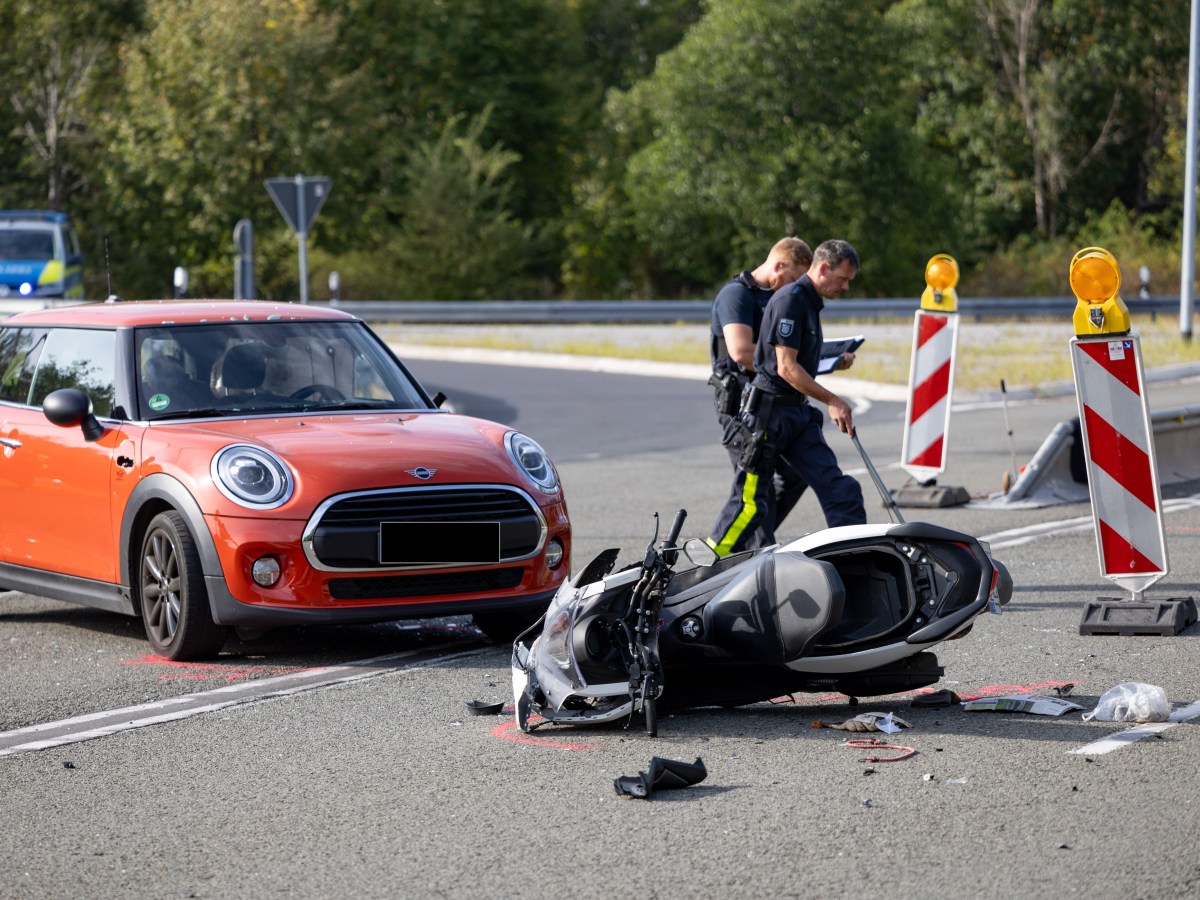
x=786, y=436
x=736, y=316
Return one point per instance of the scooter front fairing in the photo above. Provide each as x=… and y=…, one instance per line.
x=568, y=667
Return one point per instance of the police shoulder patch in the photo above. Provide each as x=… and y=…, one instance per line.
x=786, y=327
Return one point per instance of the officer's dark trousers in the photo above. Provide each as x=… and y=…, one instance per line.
x=788, y=488
x=801, y=455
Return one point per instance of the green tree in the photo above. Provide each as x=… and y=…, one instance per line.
x=217, y=96
x=1058, y=108
x=59, y=68
x=772, y=118
x=426, y=61
x=458, y=238
x=623, y=41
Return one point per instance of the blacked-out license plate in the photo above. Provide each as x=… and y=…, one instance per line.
x=438, y=543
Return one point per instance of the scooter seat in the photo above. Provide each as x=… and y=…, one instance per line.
x=776, y=608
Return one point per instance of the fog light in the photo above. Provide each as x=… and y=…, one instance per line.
x=554, y=554
x=265, y=571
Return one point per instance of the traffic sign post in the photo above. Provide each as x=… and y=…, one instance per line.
x=298, y=200
x=1118, y=450
x=930, y=389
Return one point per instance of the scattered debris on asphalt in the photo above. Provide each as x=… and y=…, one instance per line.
x=662, y=774
x=1131, y=701
x=943, y=697
x=1026, y=703
x=876, y=744
x=484, y=707
x=889, y=723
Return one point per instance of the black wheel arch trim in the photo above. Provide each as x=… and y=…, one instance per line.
x=161, y=487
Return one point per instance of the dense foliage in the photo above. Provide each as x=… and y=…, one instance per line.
x=598, y=148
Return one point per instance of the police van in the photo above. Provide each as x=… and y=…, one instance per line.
x=39, y=256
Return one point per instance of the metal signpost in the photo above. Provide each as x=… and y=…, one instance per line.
x=243, y=267
x=299, y=199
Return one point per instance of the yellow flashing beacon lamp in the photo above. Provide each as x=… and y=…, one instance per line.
x=1096, y=280
x=941, y=275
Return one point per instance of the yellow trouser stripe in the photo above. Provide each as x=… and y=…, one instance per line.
x=738, y=526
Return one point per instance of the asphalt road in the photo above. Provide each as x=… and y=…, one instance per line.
x=381, y=784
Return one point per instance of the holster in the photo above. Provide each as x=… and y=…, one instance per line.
x=728, y=390
x=758, y=453
x=751, y=416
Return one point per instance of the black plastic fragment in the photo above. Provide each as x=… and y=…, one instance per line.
x=663, y=774
x=937, y=698
x=484, y=708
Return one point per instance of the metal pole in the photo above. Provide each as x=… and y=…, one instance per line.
x=1189, y=187
x=302, y=238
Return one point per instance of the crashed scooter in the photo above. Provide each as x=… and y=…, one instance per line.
x=854, y=609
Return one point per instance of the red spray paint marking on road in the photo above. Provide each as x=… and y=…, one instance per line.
x=189, y=671
x=506, y=733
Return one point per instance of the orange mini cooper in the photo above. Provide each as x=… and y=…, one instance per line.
x=243, y=465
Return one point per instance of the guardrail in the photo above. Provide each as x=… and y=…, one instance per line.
x=635, y=311
x=642, y=311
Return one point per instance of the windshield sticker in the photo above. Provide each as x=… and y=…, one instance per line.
x=159, y=401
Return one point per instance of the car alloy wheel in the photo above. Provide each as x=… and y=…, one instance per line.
x=171, y=592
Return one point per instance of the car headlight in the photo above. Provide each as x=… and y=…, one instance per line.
x=250, y=476
x=532, y=459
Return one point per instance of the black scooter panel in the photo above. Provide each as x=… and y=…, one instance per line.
x=756, y=617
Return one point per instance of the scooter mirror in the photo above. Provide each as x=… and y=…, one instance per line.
x=699, y=552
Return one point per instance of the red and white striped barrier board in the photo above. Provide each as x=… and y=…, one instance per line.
x=1122, y=472
x=930, y=388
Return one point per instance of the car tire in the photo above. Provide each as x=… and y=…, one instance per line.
x=171, y=594
x=503, y=627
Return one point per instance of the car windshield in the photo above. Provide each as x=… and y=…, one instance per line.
x=236, y=368
x=27, y=246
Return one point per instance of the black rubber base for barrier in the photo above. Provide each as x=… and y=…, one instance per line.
x=930, y=495
x=1114, y=615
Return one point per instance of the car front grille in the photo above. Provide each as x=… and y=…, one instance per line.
x=438, y=583
x=344, y=531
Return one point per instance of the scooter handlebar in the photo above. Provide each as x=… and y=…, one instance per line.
x=676, y=527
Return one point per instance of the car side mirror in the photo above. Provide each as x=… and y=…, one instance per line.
x=438, y=399
x=68, y=407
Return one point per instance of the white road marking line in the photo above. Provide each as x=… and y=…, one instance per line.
x=1017, y=536
x=1131, y=735
x=100, y=724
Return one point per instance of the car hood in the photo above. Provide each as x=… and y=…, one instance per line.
x=332, y=454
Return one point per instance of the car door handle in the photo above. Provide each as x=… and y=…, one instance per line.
x=10, y=443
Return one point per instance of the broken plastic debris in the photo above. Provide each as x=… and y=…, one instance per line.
x=937, y=698
x=484, y=708
x=663, y=773
x=889, y=723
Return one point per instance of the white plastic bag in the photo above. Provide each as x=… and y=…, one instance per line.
x=1132, y=702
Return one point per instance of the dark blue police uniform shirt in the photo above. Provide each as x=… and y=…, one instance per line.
x=793, y=319
x=737, y=303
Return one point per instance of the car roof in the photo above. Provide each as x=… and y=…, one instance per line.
x=32, y=215
x=115, y=314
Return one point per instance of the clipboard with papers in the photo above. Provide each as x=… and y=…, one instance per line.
x=832, y=350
